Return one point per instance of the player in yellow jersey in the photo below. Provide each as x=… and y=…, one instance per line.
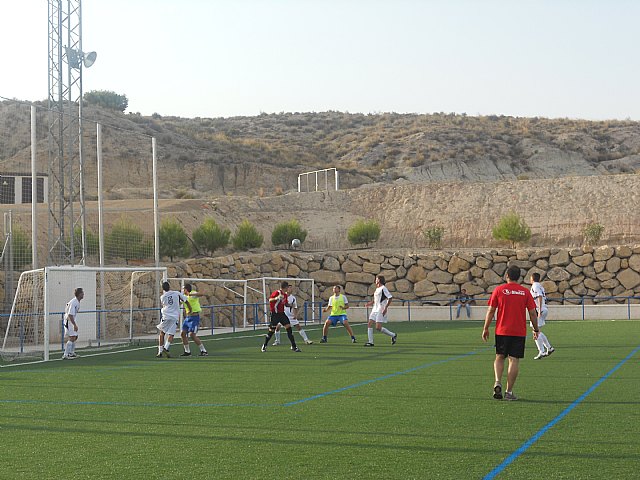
x=338, y=304
x=192, y=321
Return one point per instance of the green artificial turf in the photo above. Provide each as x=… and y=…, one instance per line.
x=420, y=409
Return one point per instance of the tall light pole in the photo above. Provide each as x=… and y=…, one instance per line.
x=66, y=169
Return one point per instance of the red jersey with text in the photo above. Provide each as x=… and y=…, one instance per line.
x=512, y=301
x=278, y=305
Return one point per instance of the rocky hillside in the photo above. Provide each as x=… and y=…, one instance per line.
x=263, y=155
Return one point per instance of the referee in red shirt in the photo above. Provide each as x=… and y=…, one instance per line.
x=512, y=301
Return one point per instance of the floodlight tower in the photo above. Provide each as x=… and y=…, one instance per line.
x=66, y=175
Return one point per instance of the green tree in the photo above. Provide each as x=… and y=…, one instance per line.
x=363, y=231
x=173, y=240
x=592, y=233
x=512, y=228
x=21, y=244
x=433, y=236
x=284, y=232
x=107, y=99
x=126, y=240
x=92, y=242
x=247, y=236
x=210, y=236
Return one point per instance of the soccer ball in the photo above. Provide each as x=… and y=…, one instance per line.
x=295, y=243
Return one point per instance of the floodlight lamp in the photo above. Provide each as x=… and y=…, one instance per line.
x=89, y=58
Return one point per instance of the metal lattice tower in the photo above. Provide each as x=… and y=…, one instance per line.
x=66, y=197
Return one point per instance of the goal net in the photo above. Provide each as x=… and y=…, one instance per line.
x=318, y=180
x=120, y=305
x=223, y=301
x=305, y=291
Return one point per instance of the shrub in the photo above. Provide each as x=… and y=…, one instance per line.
x=512, y=228
x=107, y=99
x=433, y=236
x=284, y=232
x=22, y=254
x=363, y=232
x=173, y=240
x=92, y=242
x=593, y=233
x=210, y=236
x=126, y=240
x=247, y=236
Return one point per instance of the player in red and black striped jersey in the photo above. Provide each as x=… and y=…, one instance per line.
x=277, y=304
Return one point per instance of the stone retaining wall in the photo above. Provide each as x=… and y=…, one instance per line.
x=598, y=273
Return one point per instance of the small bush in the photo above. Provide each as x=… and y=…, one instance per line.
x=22, y=254
x=210, y=236
x=126, y=240
x=363, y=232
x=512, y=228
x=247, y=236
x=173, y=240
x=433, y=236
x=284, y=232
x=92, y=242
x=593, y=233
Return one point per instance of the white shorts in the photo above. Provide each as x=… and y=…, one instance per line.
x=168, y=326
x=378, y=317
x=70, y=332
x=293, y=321
x=542, y=318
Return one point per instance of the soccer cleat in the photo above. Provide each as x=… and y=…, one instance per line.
x=204, y=354
x=497, y=391
x=394, y=339
x=276, y=343
x=296, y=349
x=159, y=355
x=368, y=344
x=539, y=356
x=550, y=351
x=165, y=352
x=185, y=354
x=73, y=355
x=510, y=396
x=263, y=348
x=308, y=342
x=323, y=340
x=353, y=340
x=65, y=357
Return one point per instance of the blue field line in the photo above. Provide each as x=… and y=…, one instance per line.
x=141, y=404
x=525, y=446
x=384, y=377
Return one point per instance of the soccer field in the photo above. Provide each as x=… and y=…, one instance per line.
x=420, y=409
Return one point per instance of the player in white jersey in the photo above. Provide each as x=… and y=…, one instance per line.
x=291, y=310
x=71, y=324
x=381, y=301
x=170, y=301
x=540, y=297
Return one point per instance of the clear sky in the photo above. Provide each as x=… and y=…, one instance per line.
x=221, y=58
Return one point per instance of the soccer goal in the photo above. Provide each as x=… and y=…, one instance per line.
x=223, y=301
x=259, y=290
x=326, y=179
x=120, y=305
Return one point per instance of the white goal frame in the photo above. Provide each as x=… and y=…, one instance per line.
x=265, y=293
x=303, y=179
x=50, y=291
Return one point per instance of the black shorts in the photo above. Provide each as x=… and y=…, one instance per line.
x=510, y=346
x=279, y=317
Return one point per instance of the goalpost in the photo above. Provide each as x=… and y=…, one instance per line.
x=306, y=290
x=120, y=304
x=313, y=181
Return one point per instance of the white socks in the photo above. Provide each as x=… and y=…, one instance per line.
x=187, y=349
x=167, y=344
x=543, y=343
x=303, y=334
x=202, y=349
x=387, y=332
x=277, y=334
x=68, y=348
x=370, y=334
